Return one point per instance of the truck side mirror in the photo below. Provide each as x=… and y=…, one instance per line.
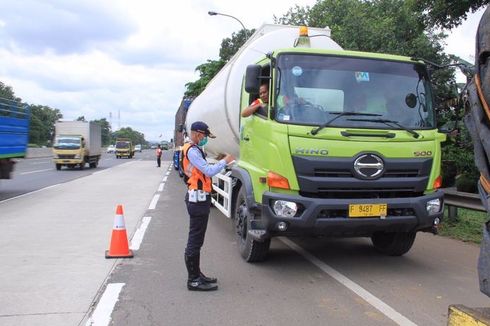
x=252, y=79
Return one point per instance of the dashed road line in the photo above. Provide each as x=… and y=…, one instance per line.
x=103, y=311
x=137, y=238
x=35, y=171
x=154, y=201
x=160, y=187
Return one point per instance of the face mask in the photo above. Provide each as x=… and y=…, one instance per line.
x=203, y=141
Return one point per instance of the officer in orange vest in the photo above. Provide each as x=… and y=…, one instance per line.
x=198, y=202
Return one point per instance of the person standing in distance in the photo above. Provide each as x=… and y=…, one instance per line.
x=158, y=152
x=258, y=104
x=198, y=202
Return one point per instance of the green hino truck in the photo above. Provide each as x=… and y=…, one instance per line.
x=346, y=147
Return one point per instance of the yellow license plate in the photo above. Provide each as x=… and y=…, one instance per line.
x=368, y=210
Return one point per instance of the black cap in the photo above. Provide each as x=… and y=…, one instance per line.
x=202, y=127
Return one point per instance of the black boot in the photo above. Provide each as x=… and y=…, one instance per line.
x=204, y=277
x=208, y=279
x=194, y=281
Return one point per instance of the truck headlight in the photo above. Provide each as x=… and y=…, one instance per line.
x=283, y=208
x=433, y=206
x=77, y=156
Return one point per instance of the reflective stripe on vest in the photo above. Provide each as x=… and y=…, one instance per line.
x=197, y=179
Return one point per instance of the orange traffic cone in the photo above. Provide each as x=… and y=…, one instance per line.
x=119, y=247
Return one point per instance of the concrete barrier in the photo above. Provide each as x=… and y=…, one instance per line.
x=39, y=152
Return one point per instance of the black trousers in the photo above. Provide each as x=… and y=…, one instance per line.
x=159, y=160
x=198, y=223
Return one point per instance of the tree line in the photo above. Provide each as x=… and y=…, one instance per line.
x=43, y=119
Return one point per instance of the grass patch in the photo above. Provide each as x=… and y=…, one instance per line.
x=468, y=227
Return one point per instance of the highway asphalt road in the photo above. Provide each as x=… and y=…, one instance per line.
x=54, y=271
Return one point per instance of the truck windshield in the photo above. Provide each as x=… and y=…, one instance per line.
x=122, y=144
x=312, y=89
x=66, y=142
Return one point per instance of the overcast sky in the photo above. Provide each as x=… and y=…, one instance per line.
x=128, y=61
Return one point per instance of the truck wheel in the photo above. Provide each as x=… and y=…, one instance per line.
x=93, y=165
x=82, y=166
x=250, y=249
x=393, y=243
x=58, y=167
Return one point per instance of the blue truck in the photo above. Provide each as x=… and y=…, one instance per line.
x=14, y=134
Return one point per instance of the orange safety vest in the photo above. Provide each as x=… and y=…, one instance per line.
x=197, y=180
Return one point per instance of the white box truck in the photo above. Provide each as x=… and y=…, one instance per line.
x=76, y=144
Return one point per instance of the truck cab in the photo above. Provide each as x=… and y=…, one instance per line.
x=69, y=150
x=348, y=146
x=124, y=148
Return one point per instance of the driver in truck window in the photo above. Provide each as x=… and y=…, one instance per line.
x=260, y=104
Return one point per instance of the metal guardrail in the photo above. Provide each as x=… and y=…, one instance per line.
x=454, y=199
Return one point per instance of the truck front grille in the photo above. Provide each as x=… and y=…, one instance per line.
x=321, y=177
x=66, y=156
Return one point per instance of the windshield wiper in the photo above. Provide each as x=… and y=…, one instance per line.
x=339, y=114
x=387, y=122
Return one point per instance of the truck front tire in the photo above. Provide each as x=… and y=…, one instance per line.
x=58, y=167
x=393, y=243
x=250, y=249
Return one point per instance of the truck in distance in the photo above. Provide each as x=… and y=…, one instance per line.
x=76, y=144
x=124, y=148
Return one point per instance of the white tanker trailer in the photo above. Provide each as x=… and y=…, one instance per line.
x=347, y=146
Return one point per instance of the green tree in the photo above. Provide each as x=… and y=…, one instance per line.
x=382, y=26
x=127, y=132
x=81, y=118
x=43, y=119
x=7, y=92
x=445, y=13
x=230, y=46
x=105, y=131
x=206, y=72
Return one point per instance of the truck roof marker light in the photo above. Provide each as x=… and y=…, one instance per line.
x=303, y=31
x=437, y=182
x=275, y=180
x=303, y=41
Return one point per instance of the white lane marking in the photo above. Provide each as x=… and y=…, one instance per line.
x=140, y=233
x=154, y=201
x=39, y=163
x=354, y=287
x=168, y=173
x=36, y=171
x=164, y=179
x=160, y=187
x=29, y=193
x=101, y=171
x=103, y=311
